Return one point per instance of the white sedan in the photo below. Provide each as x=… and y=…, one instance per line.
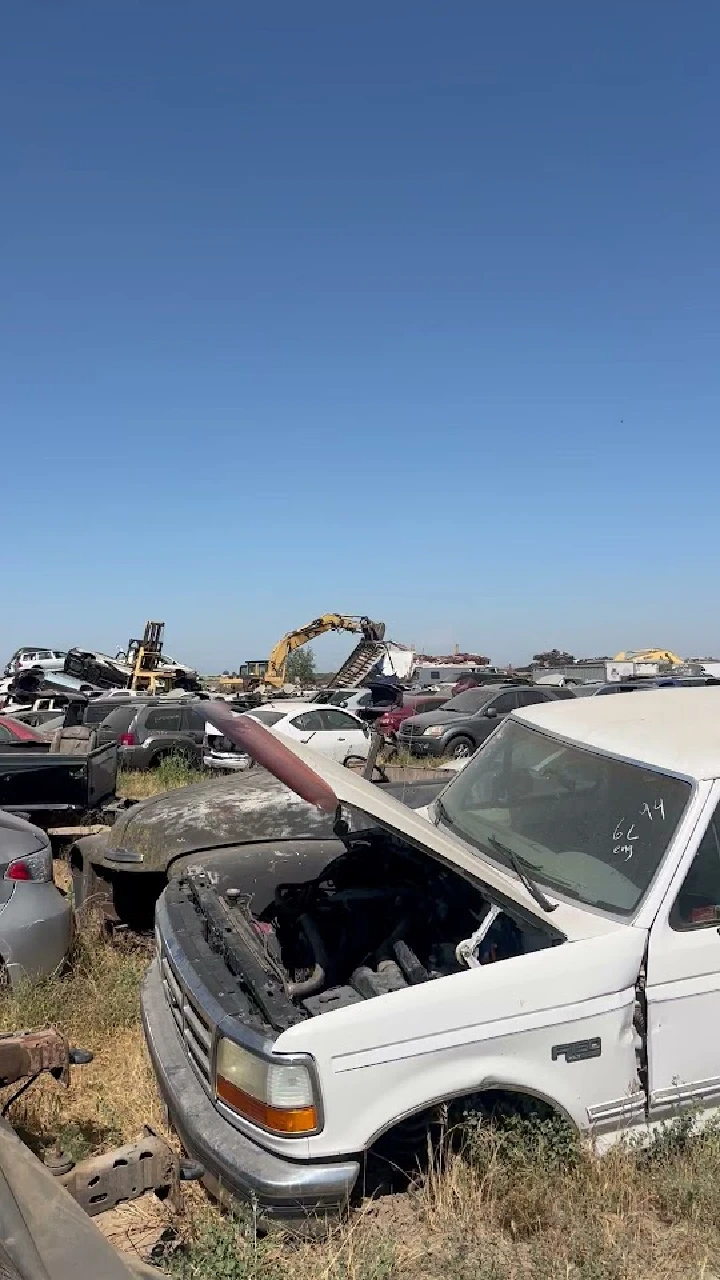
x=330, y=730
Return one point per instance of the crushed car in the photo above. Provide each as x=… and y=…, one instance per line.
x=545, y=930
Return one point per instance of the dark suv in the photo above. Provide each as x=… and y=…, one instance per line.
x=149, y=733
x=463, y=723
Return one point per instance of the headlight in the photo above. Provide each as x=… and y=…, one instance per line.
x=278, y=1096
x=434, y=731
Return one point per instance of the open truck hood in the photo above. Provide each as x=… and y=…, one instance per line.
x=330, y=787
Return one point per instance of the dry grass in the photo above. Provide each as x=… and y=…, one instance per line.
x=170, y=774
x=518, y=1203
x=96, y=1005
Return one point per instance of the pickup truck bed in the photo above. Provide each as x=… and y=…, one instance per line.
x=33, y=781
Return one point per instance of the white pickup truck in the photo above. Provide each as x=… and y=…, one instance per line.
x=547, y=928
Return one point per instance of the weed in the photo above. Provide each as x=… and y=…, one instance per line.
x=172, y=772
x=220, y=1251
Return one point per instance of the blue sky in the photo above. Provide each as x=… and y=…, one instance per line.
x=405, y=309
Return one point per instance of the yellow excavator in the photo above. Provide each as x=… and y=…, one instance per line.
x=649, y=655
x=274, y=673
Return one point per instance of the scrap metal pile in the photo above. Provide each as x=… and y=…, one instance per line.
x=142, y=666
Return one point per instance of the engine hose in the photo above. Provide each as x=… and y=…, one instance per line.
x=316, y=981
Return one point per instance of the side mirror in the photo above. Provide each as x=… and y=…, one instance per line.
x=491, y=713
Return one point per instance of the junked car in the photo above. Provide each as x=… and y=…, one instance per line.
x=149, y=731
x=413, y=704
x=35, y=918
x=545, y=930
x=122, y=871
x=328, y=729
x=461, y=724
x=44, y=659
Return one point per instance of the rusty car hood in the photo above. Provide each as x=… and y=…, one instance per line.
x=211, y=815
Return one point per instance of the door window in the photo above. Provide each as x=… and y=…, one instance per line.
x=697, y=905
x=338, y=721
x=309, y=722
x=527, y=697
x=5, y=734
x=505, y=702
x=195, y=721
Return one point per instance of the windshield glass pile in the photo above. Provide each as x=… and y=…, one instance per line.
x=592, y=827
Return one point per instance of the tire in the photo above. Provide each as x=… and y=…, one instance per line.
x=460, y=748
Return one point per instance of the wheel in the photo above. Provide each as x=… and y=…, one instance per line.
x=460, y=748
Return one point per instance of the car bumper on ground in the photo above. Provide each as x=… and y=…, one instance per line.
x=280, y=1188
x=227, y=761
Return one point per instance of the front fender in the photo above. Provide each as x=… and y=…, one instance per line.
x=90, y=849
x=555, y=1024
x=364, y=1101
x=435, y=1086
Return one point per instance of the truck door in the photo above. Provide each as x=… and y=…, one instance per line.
x=683, y=980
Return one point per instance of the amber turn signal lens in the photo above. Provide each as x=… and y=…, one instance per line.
x=295, y=1120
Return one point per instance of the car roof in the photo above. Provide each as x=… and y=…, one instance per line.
x=487, y=690
x=677, y=731
x=292, y=707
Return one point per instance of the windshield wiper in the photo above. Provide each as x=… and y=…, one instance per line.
x=443, y=813
x=518, y=865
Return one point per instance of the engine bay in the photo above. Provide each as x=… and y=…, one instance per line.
x=380, y=917
x=318, y=926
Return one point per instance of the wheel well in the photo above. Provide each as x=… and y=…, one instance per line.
x=491, y=1103
x=413, y=1143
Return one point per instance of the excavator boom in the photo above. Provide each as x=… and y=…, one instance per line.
x=277, y=662
x=649, y=655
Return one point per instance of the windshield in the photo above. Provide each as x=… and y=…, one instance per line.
x=594, y=828
x=470, y=701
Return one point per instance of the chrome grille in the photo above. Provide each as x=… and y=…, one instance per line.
x=194, y=1027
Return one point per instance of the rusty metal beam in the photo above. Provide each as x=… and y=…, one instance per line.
x=27, y=1053
x=104, y=1181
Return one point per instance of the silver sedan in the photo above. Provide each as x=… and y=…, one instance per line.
x=36, y=920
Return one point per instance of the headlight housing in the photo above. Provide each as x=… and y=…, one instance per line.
x=434, y=731
x=278, y=1096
